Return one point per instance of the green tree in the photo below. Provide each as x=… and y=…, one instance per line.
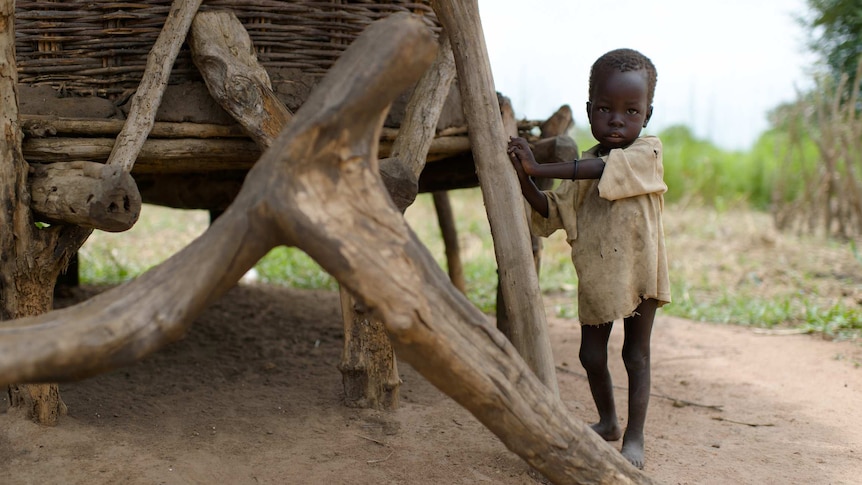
x=836, y=34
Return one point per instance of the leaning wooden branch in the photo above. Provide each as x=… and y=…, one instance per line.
x=318, y=188
x=222, y=49
x=409, y=153
x=518, y=280
x=148, y=97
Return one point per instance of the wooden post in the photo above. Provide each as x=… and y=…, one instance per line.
x=554, y=146
x=446, y=220
x=500, y=191
x=32, y=258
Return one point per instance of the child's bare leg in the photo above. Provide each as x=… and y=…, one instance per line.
x=594, y=358
x=636, y=356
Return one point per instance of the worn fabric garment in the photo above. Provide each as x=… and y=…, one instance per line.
x=614, y=226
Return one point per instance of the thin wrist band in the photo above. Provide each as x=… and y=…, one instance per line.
x=575, y=171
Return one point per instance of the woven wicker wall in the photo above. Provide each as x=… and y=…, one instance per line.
x=100, y=47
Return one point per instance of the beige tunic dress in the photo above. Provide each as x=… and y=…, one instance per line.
x=614, y=225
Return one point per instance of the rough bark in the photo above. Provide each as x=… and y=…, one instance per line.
x=31, y=258
x=504, y=325
x=318, y=188
x=369, y=371
x=40, y=126
x=520, y=284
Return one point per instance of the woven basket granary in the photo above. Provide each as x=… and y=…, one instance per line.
x=100, y=47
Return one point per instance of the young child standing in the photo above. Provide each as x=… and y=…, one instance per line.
x=610, y=204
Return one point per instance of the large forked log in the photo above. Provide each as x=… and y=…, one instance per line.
x=500, y=191
x=318, y=188
x=223, y=52
x=368, y=365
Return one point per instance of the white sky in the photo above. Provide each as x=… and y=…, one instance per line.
x=721, y=65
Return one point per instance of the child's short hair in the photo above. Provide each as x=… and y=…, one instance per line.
x=624, y=60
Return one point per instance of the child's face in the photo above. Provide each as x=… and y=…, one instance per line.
x=618, y=108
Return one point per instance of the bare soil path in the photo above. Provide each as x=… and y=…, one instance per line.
x=252, y=396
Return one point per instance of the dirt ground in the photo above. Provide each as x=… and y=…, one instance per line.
x=252, y=395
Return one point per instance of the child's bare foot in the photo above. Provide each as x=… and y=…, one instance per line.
x=608, y=432
x=633, y=451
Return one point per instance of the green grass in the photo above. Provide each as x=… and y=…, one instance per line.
x=292, y=267
x=837, y=320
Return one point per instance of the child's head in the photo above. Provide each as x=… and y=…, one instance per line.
x=622, y=85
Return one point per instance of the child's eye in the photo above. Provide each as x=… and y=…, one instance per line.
x=603, y=109
x=632, y=111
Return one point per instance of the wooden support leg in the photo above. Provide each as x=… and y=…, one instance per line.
x=368, y=366
x=519, y=282
x=446, y=219
x=554, y=146
x=40, y=402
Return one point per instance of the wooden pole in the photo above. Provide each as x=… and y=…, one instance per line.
x=148, y=96
x=31, y=258
x=500, y=190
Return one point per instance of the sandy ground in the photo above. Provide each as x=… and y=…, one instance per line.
x=252, y=395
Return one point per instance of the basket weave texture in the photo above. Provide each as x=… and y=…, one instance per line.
x=100, y=47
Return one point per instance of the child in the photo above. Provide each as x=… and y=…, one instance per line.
x=610, y=205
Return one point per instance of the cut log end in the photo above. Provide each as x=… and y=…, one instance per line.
x=86, y=194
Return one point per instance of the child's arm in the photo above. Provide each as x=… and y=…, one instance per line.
x=535, y=197
x=588, y=168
